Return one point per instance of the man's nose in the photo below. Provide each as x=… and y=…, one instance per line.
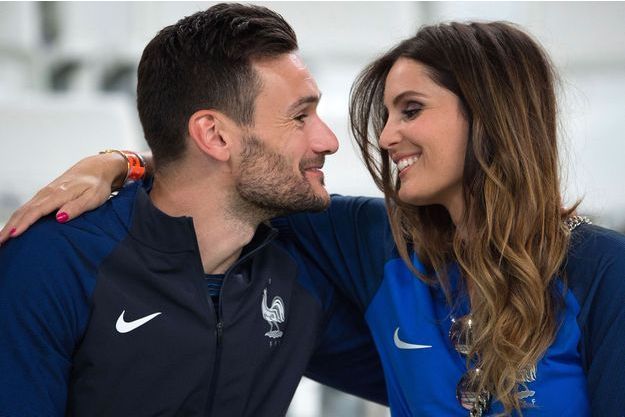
x=325, y=141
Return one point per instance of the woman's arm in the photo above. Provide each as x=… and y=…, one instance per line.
x=83, y=187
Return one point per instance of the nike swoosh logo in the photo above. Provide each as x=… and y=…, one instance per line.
x=124, y=326
x=403, y=345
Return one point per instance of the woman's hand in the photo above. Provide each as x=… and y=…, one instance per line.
x=83, y=187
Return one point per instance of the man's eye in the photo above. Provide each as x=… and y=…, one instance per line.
x=300, y=118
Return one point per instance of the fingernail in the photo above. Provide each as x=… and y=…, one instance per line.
x=62, y=217
x=12, y=232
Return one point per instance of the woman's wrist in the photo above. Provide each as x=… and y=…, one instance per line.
x=149, y=163
x=125, y=165
x=114, y=169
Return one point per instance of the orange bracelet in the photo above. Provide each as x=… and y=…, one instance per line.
x=136, y=164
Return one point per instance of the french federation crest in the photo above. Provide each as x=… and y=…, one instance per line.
x=529, y=375
x=273, y=314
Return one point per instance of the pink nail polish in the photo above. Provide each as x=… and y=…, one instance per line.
x=62, y=217
x=12, y=232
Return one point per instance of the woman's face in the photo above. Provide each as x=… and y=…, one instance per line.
x=426, y=136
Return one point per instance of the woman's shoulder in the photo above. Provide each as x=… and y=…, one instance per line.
x=590, y=239
x=595, y=273
x=595, y=264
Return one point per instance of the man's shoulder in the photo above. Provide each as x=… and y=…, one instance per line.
x=54, y=250
x=112, y=219
x=106, y=223
x=45, y=269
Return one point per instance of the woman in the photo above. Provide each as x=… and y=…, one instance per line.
x=463, y=121
x=457, y=126
x=515, y=306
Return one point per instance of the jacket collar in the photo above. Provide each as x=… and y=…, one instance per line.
x=157, y=230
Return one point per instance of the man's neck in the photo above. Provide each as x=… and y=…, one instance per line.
x=221, y=228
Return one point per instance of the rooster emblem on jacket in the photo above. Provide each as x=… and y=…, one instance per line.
x=274, y=314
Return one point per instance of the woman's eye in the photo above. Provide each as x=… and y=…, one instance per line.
x=411, y=111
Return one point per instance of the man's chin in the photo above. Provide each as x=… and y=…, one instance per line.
x=321, y=204
x=318, y=200
x=322, y=196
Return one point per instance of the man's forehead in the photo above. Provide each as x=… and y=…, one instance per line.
x=286, y=72
x=285, y=63
x=297, y=60
x=299, y=63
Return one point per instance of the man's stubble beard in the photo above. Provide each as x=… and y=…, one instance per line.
x=267, y=183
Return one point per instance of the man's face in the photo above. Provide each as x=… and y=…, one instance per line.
x=283, y=153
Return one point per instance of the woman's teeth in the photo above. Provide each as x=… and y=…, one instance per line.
x=406, y=162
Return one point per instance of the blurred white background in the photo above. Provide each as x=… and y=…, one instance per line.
x=68, y=74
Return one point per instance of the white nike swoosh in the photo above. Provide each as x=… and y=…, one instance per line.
x=403, y=345
x=123, y=326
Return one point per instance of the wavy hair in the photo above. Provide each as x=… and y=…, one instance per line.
x=511, y=241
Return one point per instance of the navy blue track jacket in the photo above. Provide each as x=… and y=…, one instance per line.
x=109, y=315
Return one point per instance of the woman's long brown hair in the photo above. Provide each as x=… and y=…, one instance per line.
x=511, y=241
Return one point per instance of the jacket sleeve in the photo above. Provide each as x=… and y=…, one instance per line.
x=596, y=275
x=42, y=309
x=349, y=243
x=347, y=247
x=346, y=357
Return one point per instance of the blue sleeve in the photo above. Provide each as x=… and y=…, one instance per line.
x=346, y=357
x=595, y=272
x=43, y=311
x=349, y=243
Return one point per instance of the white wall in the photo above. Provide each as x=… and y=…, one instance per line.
x=586, y=40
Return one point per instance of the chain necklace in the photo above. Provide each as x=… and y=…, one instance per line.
x=574, y=221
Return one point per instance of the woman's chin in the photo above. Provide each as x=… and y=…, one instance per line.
x=412, y=198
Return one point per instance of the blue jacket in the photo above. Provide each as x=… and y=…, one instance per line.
x=581, y=373
x=109, y=315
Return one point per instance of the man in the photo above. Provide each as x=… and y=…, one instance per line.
x=175, y=297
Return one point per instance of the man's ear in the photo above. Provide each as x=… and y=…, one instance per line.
x=208, y=129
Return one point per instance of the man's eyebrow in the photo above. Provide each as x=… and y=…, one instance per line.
x=304, y=100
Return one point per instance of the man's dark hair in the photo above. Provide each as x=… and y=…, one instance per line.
x=204, y=61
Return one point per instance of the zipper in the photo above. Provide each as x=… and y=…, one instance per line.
x=216, y=366
x=219, y=327
x=271, y=234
